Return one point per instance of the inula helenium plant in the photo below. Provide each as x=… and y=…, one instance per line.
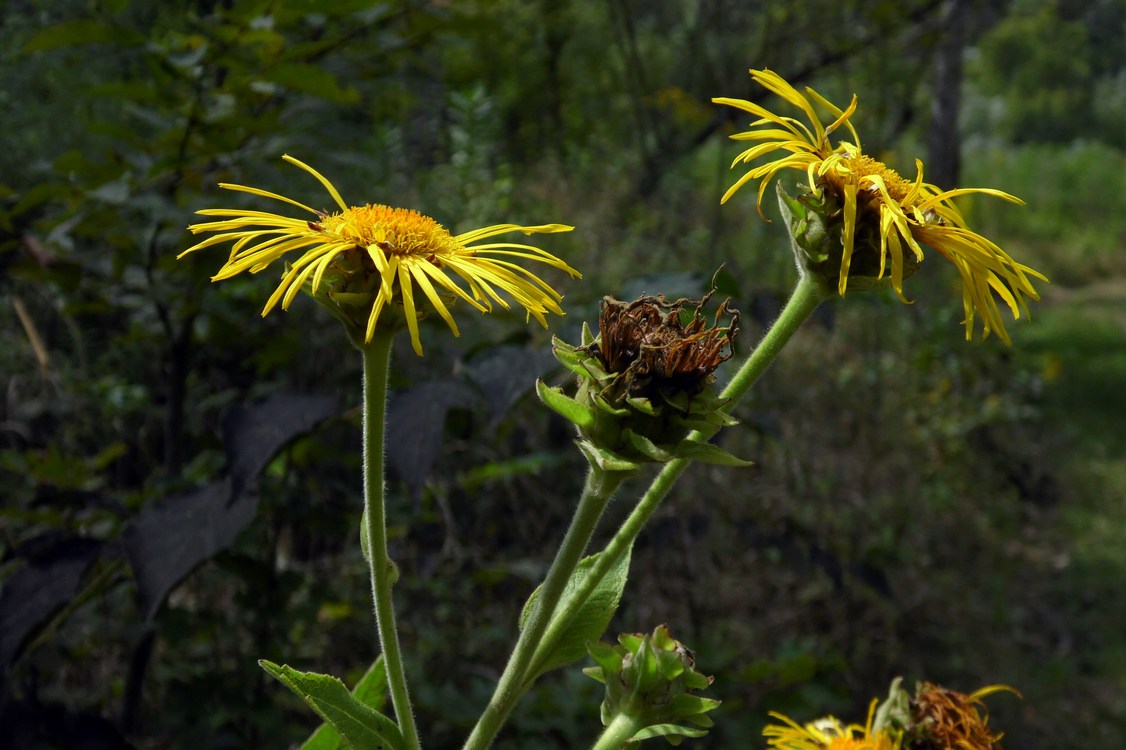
x=643, y=391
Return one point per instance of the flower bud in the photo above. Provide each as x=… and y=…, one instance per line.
x=651, y=678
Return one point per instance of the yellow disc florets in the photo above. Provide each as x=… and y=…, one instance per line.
x=396, y=231
x=865, y=166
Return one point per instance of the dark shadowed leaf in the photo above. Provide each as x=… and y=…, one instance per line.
x=311, y=79
x=506, y=374
x=86, y=31
x=253, y=433
x=416, y=418
x=166, y=542
x=30, y=724
x=36, y=591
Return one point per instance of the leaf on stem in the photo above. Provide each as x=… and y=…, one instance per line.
x=361, y=726
x=371, y=690
x=589, y=621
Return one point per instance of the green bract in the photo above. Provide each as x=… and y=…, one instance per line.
x=650, y=679
x=816, y=225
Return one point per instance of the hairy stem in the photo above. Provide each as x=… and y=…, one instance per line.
x=517, y=675
x=377, y=356
x=617, y=733
x=804, y=300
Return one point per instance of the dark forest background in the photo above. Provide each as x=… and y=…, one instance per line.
x=181, y=478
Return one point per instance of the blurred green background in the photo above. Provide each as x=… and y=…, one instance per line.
x=181, y=478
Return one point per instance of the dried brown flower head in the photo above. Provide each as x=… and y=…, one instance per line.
x=661, y=347
x=945, y=719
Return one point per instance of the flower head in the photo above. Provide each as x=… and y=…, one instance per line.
x=643, y=382
x=829, y=733
x=883, y=219
x=655, y=346
x=363, y=260
x=943, y=718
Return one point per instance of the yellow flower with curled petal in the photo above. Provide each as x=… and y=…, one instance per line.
x=378, y=255
x=829, y=733
x=876, y=202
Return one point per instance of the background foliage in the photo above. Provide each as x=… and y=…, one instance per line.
x=180, y=479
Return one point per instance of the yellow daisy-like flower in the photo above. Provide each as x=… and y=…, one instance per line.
x=829, y=733
x=394, y=249
x=876, y=201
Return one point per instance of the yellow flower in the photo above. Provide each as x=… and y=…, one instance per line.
x=877, y=202
x=395, y=249
x=829, y=733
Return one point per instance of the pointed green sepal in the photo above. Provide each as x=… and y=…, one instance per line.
x=643, y=406
x=568, y=356
x=579, y=414
x=674, y=733
x=647, y=447
x=586, y=337
x=605, y=460
x=808, y=229
x=708, y=453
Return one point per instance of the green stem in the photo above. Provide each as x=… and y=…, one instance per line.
x=617, y=733
x=377, y=356
x=806, y=297
x=516, y=679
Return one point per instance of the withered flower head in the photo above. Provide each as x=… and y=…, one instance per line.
x=660, y=347
x=643, y=383
x=944, y=719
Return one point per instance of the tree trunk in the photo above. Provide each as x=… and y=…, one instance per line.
x=944, y=144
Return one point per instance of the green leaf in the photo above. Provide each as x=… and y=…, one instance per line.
x=86, y=31
x=591, y=619
x=580, y=415
x=311, y=79
x=371, y=690
x=361, y=726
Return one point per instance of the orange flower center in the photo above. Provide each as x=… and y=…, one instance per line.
x=399, y=231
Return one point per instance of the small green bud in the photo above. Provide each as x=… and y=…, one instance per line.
x=651, y=678
x=643, y=383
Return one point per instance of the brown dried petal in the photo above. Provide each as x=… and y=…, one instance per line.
x=649, y=345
